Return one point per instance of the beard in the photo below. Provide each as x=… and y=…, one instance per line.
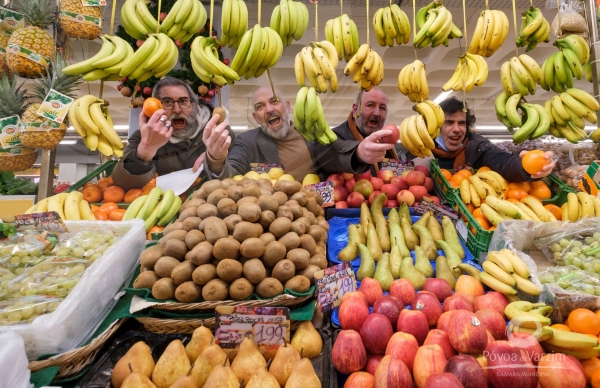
x=362, y=128
x=190, y=126
x=279, y=132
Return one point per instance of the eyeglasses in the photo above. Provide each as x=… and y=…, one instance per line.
x=169, y=104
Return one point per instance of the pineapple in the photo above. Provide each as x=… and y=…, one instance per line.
x=3, y=42
x=79, y=30
x=39, y=14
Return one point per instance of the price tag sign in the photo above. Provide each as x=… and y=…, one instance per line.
x=49, y=221
x=270, y=326
x=55, y=106
x=390, y=164
x=11, y=20
x=93, y=3
x=263, y=168
x=461, y=228
x=438, y=210
x=404, y=165
x=9, y=131
x=325, y=190
x=332, y=283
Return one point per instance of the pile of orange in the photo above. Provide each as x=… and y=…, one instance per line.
x=108, y=211
x=586, y=322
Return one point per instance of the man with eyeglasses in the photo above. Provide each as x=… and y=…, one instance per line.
x=457, y=146
x=170, y=140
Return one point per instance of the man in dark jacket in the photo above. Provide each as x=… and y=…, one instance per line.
x=458, y=146
x=170, y=140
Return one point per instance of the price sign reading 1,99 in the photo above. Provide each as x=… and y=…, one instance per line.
x=325, y=190
x=332, y=283
x=270, y=326
x=269, y=333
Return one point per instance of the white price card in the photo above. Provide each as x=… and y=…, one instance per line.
x=461, y=228
x=332, y=283
x=48, y=221
x=270, y=326
x=325, y=190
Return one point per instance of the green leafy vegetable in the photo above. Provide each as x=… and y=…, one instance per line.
x=9, y=185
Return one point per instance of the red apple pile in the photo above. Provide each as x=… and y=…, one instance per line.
x=350, y=191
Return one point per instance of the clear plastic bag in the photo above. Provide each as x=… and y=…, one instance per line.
x=27, y=309
x=569, y=21
x=13, y=362
x=572, y=278
x=576, y=243
x=26, y=249
x=86, y=245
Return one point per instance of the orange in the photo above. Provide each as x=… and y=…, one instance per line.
x=457, y=178
x=447, y=174
x=116, y=215
x=560, y=326
x=89, y=184
x=94, y=208
x=537, y=183
x=483, y=222
x=583, y=321
x=146, y=190
x=541, y=192
x=516, y=194
x=464, y=172
x=597, y=312
x=92, y=194
x=513, y=200
x=590, y=367
x=477, y=213
x=522, y=200
x=105, y=183
x=151, y=105
x=470, y=208
x=154, y=229
x=595, y=380
x=555, y=210
x=114, y=194
x=131, y=195
x=100, y=215
x=521, y=185
x=492, y=228
x=534, y=161
x=484, y=168
x=108, y=207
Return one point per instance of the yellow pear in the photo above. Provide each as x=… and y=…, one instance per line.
x=281, y=367
x=262, y=379
x=252, y=175
x=201, y=338
x=248, y=360
x=140, y=358
x=276, y=172
x=137, y=380
x=303, y=375
x=310, y=179
x=186, y=381
x=171, y=365
x=307, y=340
x=222, y=377
x=210, y=357
x=286, y=177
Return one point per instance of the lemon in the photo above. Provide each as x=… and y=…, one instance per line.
x=265, y=175
x=286, y=177
x=276, y=173
x=237, y=178
x=252, y=175
x=310, y=179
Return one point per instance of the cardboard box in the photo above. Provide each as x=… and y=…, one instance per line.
x=590, y=182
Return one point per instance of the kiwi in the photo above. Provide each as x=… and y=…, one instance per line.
x=144, y=269
x=247, y=200
x=266, y=189
x=183, y=272
x=205, y=220
x=290, y=240
x=284, y=211
x=188, y=292
x=267, y=238
x=300, y=257
x=150, y=256
x=188, y=212
x=244, y=230
x=274, y=252
x=163, y=289
x=321, y=250
x=193, y=238
x=226, y=207
x=309, y=272
x=175, y=248
x=228, y=182
x=191, y=223
x=229, y=270
x=313, y=207
x=321, y=244
x=215, y=229
x=249, y=211
x=305, y=221
x=269, y=288
x=264, y=182
x=288, y=187
x=226, y=248
x=207, y=210
x=319, y=260
x=164, y=266
x=176, y=235
x=215, y=290
x=298, y=283
x=216, y=196
x=298, y=227
x=209, y=187
x=266, y=202
x=254, y=270
x=300, y=198
x=258, y=229
x=204, y=274
x=241, y=289
x=308, y=243
x=280, y=226
x=312, y=219
x=252, y=247
x=177, y=225
x=251, y=191
x=193, y=202
x=221, y=112
x=323, y=224
x=280, y=197
x=201, y=254
x=146, y=279
x=232, y=221
x=284, y=270
x=234, y=193
x=317, y=233
x=266, y=218
x=247, y=182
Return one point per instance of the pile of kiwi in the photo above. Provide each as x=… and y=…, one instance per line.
x=235, y=238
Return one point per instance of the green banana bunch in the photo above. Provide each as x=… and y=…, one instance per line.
x=319, y=62
x=391, y=23
x=259, y=50
x=520, y=75
x=532, y=124
x=156, y=57
x=309, y=117
x=234, y=22
x=342, y=32
x=567, y=112
x=435, y=26
x=289, y=20
x=207, y=65
x=559, y=69
x=534, y=29
x=490, y=32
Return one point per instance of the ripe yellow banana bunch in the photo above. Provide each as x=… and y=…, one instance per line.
x=418, y=131
x=342, y=32
x=490, y=32
x=522, y=71
x=474, y=190
x=505, y=272
x=366, y=66
x=259, y=50
x=207, y=65
x=567, y=112
x=91, y=120
x=559, y=69
x=391, y=23
x=472, y=70
x=69, y=206
x=319, y=61
x=289, y=20
x=534, y=123
x=234, y=22
x=534, y=29
x=309, y=117
x=107, y=63
x=156, y=208
x=579, y=206
x=412, y=81
x=435, y=26
x=497, y=210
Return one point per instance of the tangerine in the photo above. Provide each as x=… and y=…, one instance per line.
x=483, y=222
x=555, y=210
x=513, y=200
x=583, y=321
x=484, y=168
x=464, y=172
x=114, y=194
x=105, y=183
x=521, y=185
x=458, y=177
x=131, y=195
x=92, y=194
x=151, y=105
x=100, y=215
x=516, y=194
x=534, y=161
x=447, y=174
x=477, y=213
x=595, y=379
x=116, y=215
x=108, y=207
x=590, y=367
x=541, y=192
x=89, y=184
x=560, y=326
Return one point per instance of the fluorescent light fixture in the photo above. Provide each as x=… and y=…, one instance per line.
x=489, y=127
x=116, y=127
x=442, y=96
x=68, y=142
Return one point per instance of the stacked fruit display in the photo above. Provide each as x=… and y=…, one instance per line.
x=579, y=206
x=503, y=271
x=343, y=34
x=69, y=206
x=203, y=363
x=238, y=238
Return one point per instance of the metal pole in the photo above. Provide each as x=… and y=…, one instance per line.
x=592, y=22
x=46, y=174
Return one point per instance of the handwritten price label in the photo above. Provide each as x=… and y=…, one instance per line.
x=263, y=168
x=438, y=210
x=390, y=164
x=269, y=333
x=325, y=190
x=49, y=221
x=332, y=284
x=404, y=165
x=270, y=326
x=461, y=228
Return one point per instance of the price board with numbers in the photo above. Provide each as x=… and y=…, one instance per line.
x=49, y=221
x=325, y=190
x=404, y=165
x=332, y=283
x=262, y=168
x=437, y=209
x=270, y=326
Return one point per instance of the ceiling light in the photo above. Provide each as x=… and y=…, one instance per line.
x=442, y=96
x=490, y=127
x=68, y=142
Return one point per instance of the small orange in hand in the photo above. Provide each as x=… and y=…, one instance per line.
x=534, y=161
x=116, y=215
x=131, y=195
x=114, y=194
x=151, y=105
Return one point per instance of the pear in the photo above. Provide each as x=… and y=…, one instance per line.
x=137, y=380
x=308, y=338
x=383, y=272
x=442, y=271
x=140, y=358
x=410, y=273
x=393, y=216
x=435, y=229
x=404, y=212
x=367, y=264
x=396, y=260
x=410, y=237
x=365, y=218
x=426, y=241
x=222, y=377
x=262, y=379
x=303, y=375
x=422, y=263
x=397, y=238
x=201, y=338
x=186, y=381
x=373, y=243
x=248, y=360
x=361, y=235
x=423, y=220
x=171, y=365
x=210, y=357
x=281, y=367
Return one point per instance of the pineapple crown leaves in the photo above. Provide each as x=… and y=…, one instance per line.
x=57, y=80
x=39, y=13
x=12, y=98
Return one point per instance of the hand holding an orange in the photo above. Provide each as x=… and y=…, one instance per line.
x=537, y=163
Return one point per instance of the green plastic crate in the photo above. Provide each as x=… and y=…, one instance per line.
x=104, y=169
x=446, y=192
x=559, y=189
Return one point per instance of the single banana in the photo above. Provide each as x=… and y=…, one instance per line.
x=502, y=262
x=496, y=284
x=518, y=265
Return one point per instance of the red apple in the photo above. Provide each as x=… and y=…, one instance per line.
x=418, y=191
x=403, y=290
x=349, y=184
x=392, y=373
x=457, y=302
x=439, y=287
x=139, y=42
x=469, y=297
x=440, y=337
x=355, y=199
x=509, y=367
x=393, y=138
x=365, y=175
x=390, y=190
x=348, y=354
x=428, y=184
x=493, y=321
x=372, y=290
x=179, y=44
x=60, y=188
x=373, y=361
x=490, y=338
x=377, y=183
x=492, y=300
x=400, y=182
x=352, y=314
x=385, y=175
x=468, y=371
x=557, y=370
x=337, y=179
x=347, y=175
x=415, y=178
x=226, y=61
x=428, y=304
x=529, y=344
x=403, y=346
x=352, y=295
x=374, y=195
x=443, y=380
x=339, y=193
x=360, y=380
x=405, y=172
x=364, y=187
x=466, y=333
x=389, y=307
x=406, y=196
x=390, y=203
x=415, y=323
x=422, y=169
x=444, y=320
x=468, y=285
x=375, y=332
x=430, y=360
x=147, y=91
x=341, y=205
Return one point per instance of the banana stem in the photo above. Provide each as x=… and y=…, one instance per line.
x=219, y=96
x=157, y=16
x=212, y=11
x=360, y=93
x=368, y=29
x=271, y=82
x=414, y=20
x=514, y=9
x=465, y=23
x=558, y=15
x=316, y=21
x=112, y=17
x=101, y=89
x=416, y=56
x=341, y=7
x=487, y=4
x=259, y=11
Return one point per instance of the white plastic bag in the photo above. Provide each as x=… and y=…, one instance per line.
x=13, y=362
x=90, y=301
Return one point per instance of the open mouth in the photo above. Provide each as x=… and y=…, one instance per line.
x=274, y=121
x=374, y=121
x=454, y=139
x=178, y=123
